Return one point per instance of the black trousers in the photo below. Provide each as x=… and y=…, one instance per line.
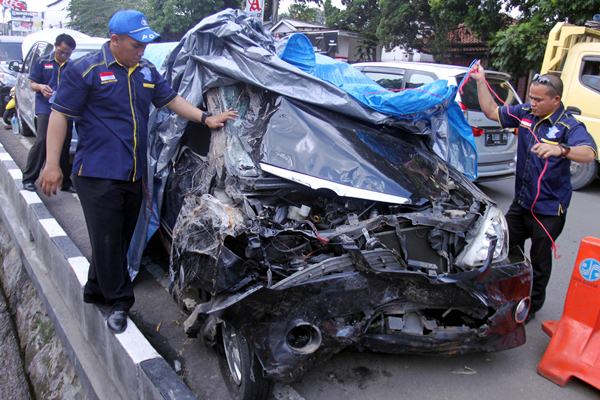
x=111, y=210
x=37, y=154
x=522, y=226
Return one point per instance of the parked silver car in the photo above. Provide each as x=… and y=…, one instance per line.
x=25, y=96
x=496, y=146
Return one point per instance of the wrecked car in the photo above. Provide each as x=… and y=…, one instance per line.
x=308, y=226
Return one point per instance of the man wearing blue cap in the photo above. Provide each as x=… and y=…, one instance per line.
x=109, y=94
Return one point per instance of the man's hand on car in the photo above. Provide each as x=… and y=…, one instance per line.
x=218, y=121
x=50, y=179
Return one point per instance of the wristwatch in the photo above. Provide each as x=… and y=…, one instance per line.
x=564, y=150
x=205, y=114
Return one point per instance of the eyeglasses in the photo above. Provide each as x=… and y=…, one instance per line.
x=544, y=80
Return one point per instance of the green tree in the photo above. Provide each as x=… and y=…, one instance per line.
x=91, y=16
x=302, y=12
x=173, y=18
x=520, y=47
x=360, y=16
x=424, y=25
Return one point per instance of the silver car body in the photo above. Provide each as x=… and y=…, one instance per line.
x=496, y=147
x=24, y=94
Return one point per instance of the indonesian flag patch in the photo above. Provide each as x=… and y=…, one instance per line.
x=48, y=66
x=526, y=123
x=106, y=77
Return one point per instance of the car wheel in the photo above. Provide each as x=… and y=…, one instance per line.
x=241, y=370
x=583, y=174
x=23, y=128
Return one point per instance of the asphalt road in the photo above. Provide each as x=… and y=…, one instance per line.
x=350, y=375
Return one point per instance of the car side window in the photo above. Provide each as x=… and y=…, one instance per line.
x=29, y=58
x=418, y=78
x=390, y=81
x=38, y=50
x=590, y=73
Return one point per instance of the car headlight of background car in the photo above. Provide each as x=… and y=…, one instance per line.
x=492, y=224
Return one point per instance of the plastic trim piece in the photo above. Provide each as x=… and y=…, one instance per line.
x=339, y=189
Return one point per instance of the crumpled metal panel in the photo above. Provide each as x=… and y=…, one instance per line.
x=199, y=235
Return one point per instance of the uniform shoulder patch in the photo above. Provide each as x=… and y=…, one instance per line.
x=146, y=73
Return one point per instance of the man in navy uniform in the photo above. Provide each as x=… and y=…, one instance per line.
x=45, y=76
x=560, y=140
x=109, y=94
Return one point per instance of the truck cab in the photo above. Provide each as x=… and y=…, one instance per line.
x=573, y=53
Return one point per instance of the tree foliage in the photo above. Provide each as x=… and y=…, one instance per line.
x=360, y=16
x=91, y=16
x=520, y=47
x=517, y=45
x=303, y=12
x=171, y=18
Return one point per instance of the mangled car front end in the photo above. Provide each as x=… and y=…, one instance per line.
x=302, y=259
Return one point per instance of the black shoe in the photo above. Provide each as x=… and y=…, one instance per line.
x=117, y=321
x=69, y=189
x=29, y=186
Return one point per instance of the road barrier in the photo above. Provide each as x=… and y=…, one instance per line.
x=574, y=350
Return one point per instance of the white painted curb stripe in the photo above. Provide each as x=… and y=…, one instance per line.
x=16, y=173
x=80, y=266
x=136, y=345
x=52, y=227
x=5, y=157
x=30, y=197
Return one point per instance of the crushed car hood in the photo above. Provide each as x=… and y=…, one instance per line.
x=324, y=150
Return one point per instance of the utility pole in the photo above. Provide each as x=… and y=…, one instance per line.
x=274, y=10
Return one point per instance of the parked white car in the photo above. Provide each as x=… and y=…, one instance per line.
x=496, y=146
x=37, y=45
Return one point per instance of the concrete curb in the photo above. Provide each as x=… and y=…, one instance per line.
x=124, y=366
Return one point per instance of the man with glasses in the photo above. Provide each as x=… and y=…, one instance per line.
x=547, y=133
x=45, y=77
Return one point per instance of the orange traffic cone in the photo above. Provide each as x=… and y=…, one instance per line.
x=575, y=346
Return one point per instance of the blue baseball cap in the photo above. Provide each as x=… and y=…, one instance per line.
x=132, y=23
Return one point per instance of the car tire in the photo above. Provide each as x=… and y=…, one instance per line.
x=241, y=370
x=583, y=174
x=23, y=128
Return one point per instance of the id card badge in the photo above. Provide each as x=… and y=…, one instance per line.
x=52, y=98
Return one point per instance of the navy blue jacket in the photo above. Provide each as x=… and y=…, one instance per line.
x=46, y=72
x=559, y=127
x=110, y=104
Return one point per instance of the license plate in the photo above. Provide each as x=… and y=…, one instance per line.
x=496, y=138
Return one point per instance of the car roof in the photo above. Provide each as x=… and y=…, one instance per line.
x=11, y=39
x=441, y=70
x=49, y=35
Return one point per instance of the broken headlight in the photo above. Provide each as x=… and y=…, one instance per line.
x=480, y=238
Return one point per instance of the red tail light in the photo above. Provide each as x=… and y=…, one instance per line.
x=477, y=131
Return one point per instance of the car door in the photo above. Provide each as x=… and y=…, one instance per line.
x=25, y=95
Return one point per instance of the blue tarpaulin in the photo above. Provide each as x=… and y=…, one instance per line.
x=433, y=102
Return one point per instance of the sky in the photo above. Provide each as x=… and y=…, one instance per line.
x=37, y=5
